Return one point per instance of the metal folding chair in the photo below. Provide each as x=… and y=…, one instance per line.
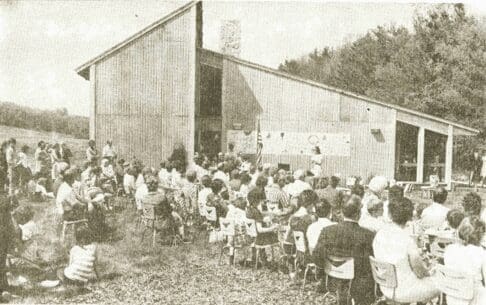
x=454, y=284
x=340, y=268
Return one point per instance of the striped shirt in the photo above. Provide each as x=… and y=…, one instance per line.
x=82, y=262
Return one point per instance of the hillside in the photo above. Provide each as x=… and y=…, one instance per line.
x=32, y=137
x=58, y=120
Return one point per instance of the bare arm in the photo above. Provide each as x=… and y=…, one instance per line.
x=417, y=263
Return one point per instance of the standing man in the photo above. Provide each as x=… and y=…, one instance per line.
x=475, y=163
x=109, y=151
x=43, y=163
x=11, y=156
x=65, y=153
x=92, y=153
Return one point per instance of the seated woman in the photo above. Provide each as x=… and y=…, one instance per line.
x=393, y=245
x=266, y=230
x=237, y=215
x=469, y=258
x=82, y=260
x=165, y=218
x=218, y=199
x=26, y=228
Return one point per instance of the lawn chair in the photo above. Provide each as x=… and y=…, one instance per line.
x=71, y=224
x=454, y=284
x=301, y=249
x=340, y=268
x=227, y=228
x=385, y=275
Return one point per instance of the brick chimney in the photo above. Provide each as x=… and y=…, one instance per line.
x=230, y=37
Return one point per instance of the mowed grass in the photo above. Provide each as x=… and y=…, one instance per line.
x=135, y=273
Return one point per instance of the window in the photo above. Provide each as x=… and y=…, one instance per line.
x=211, y=86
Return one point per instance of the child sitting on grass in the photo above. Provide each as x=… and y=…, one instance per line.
x=82, y=260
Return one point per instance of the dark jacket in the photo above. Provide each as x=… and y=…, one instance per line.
x=348, y=239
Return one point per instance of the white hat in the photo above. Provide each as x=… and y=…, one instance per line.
x=378, y=184
x=298, y=174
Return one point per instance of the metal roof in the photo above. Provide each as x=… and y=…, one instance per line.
x=472, y=131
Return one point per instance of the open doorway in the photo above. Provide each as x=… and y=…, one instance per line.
x=208, y=135
x=434, y=155
x=406, y=152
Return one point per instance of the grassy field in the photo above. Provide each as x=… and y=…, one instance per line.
x=32, y=137
x=136, y=273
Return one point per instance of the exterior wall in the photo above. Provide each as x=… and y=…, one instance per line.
x=287, y=105
x=145, y=93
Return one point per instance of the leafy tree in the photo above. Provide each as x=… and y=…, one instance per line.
x=438, y=68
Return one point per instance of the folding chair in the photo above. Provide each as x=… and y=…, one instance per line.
x=385, y=275
x=340, y=268
x=454, y=284
x=273, y=207
x=438, y=245
x=227, y=228
x=70, y=224
x=251, y=231
x=211, y=214
x=148, y=219
x=301, y=248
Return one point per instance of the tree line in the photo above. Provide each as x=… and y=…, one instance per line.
x=438, y=67
x=57, y=120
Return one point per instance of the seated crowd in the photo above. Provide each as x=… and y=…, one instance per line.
x=338, y=224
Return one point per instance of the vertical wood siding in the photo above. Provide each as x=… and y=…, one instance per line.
x=288, y=105
x=145, y=92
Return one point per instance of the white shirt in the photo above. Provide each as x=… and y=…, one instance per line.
x=314, y=231
x=294, y=189
x=64, y=192
x=128, y=183
x=434, y=216
x=28, y=229
x=140, y=193
x=202, y=199
x=22, y=159
x=108, y=151
x=221, y=176
x=82, y=262
x=371, y=223
x=164, y=177
x=470, y=260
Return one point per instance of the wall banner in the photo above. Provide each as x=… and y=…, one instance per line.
x=244, y=141
x=301, y=143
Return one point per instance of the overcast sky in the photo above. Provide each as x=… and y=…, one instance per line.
x=41, y=42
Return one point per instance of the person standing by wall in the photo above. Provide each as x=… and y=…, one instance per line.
x=92, y=153
x=3, y=167
x=109, y=151
x=11, y=156
x=7, y=233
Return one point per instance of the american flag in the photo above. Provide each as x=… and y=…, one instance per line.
x=259, y=145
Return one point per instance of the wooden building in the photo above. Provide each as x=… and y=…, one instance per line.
x=161, y=87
